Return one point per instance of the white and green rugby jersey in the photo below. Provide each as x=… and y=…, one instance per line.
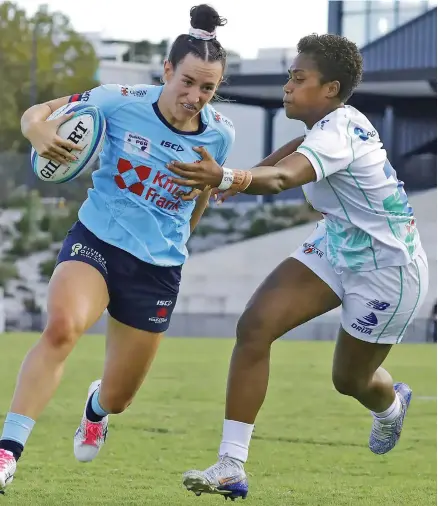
x=369, y=221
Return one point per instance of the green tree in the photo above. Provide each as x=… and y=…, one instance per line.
x=8, y=271
x=46, y=268
x=65, y=63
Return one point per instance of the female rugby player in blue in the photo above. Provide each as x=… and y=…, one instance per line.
x=126, y=251
x=366, y=256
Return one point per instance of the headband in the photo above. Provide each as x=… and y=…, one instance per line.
x=197, y=33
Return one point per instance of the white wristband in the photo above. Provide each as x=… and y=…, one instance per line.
x=227, y=179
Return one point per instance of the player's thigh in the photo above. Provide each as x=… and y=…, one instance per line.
x=78, y=291
x=299, y=289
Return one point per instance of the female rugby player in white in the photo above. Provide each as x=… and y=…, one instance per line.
x=366, y=256
x=126, y=251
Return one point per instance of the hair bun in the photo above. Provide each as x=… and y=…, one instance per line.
x=204, y=17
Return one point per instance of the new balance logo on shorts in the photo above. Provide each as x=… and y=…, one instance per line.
x=162, y=311
x=379, y=306
x=365, y=323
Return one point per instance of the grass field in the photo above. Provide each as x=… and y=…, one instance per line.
x=310, y=445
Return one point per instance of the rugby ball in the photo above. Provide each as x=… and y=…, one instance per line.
x=86, y=128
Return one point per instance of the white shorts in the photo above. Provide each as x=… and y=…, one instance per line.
x=377, y=306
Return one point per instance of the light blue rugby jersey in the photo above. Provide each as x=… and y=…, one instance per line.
x=133, y=205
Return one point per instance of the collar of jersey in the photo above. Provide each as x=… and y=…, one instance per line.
x=201, y=128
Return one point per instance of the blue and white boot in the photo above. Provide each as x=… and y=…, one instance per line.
x=385, y=435
x=227, y=477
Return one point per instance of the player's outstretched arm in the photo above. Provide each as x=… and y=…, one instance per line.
x=291, y=172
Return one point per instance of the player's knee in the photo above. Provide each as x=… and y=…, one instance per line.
x=252, y=334
x=62, y=331
x=347, y=383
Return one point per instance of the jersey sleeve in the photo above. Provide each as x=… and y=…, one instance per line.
x=328, y=148
x=109, y=97
x=228, y=137
x=106, y=97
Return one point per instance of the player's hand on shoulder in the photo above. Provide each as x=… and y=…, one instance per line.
x=47, y=143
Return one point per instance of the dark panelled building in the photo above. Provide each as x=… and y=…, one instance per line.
x=398, y=94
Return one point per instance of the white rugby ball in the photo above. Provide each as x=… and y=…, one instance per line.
x=87, y=129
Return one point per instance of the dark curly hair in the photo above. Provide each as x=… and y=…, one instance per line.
x=337, y=59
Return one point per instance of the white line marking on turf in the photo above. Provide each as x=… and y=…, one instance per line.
x=425, y=398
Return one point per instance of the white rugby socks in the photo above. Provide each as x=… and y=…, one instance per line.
x=390, y=414
x=236, y=437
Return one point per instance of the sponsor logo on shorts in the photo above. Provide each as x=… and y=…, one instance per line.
x=410, y=227
x=164, y=302
x=161, y=314
x=379, y=306
x=79, y=249
x=136, y=144
x=363, y=324
x=309, y=248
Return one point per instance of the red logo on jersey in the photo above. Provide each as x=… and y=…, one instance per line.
x=143, y=174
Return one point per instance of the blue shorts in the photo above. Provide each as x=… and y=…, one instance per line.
x=141, y=295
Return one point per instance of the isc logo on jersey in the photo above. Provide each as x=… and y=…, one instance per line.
x=136, y=144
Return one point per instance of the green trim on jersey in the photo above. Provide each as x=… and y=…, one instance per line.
x=361, y=190
x=324, y=176
x=317, y=158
